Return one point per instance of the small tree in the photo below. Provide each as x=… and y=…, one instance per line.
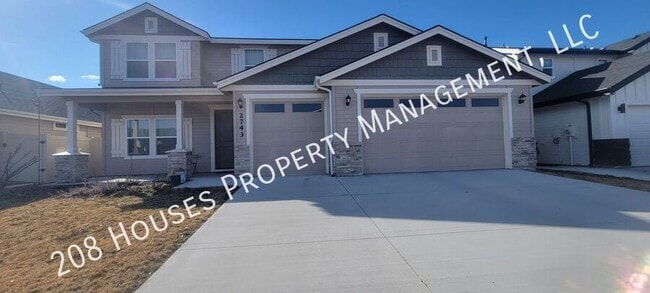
x=15, y=164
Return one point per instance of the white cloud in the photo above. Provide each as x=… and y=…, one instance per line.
x=117, y=4
x=57, y=78
x=90, y=76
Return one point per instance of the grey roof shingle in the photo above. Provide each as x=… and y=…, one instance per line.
x=595, y=81
x=19, y=94
x=631, y=43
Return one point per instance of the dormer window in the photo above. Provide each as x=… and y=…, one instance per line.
x=151, y=25
x=380, y=40
x=434, y=56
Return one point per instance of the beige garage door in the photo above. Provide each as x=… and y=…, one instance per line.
x=466, y=134
x=282, y=127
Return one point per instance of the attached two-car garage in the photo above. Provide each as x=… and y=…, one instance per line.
x=463, y=135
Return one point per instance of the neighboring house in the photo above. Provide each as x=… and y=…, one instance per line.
x=598, y=114
x=171, y=92
x=20, y=115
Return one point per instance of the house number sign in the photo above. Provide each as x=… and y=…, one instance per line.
x=241, y=124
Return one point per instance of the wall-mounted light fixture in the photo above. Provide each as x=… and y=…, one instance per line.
x=348, y=100
x=522, y=98
x=240, y=103
x=621, y=108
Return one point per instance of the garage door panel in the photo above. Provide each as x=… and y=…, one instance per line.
x=442, y=139
x=638, y=125
x=279, y=133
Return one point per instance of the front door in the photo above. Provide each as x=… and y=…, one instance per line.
x=223, y=140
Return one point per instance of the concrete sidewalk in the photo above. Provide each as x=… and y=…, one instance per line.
x=638, y=173
x=476, y=231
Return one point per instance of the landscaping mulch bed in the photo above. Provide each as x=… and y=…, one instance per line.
x=36, y=221
x=603, y=179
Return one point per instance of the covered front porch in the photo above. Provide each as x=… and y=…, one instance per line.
x=151, y=131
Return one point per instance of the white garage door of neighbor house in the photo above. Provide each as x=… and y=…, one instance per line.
x=638, y=125
x=282, y=127
x=466, y=134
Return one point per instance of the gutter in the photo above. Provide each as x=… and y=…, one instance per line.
x=331, y=119
x=589, y=132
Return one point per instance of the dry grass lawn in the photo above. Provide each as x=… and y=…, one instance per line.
x=602, y=179
x=35, y=222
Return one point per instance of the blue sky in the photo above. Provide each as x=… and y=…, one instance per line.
x=40, y=39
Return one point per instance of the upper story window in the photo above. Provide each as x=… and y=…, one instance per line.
x=253, y=57
x=151, y=25
x=380, y=40
x=547, y=66
x=434, y=56
x=150, y=60
x=245, y=58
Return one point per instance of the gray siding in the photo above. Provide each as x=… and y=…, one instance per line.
x=411, y=63
x=200, y=114
x=134, y=25
x=216, y=59
x=302, y=70
x=107, y=82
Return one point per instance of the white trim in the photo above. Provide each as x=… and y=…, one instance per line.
x=29, y=115
x=153, y=30
x=375, y=39
x=504, y=98
x=253, y=41
x=315, y=45
x=152, y=135
x=160, y=38
x=250, y=98
x=415, y=82
x=213, y=167
x=140, y=8
x=124, y=92
x=430, y=50
x=270, y=88
x=438, y=30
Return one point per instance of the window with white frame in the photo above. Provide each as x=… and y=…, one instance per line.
x=149, y=60
x=434, y=56
x=253, y=57
x=150, y=136
x=165, y=135
x=151, y=25
x=547, y=66
x=380, y=40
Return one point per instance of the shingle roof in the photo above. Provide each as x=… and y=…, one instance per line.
x=631, y=43
x=595, y=81
x=19, y=94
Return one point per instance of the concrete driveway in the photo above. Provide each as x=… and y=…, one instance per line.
x=477, y=231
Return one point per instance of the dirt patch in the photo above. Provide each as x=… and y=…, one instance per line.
x=35, y=222
x=603, y=179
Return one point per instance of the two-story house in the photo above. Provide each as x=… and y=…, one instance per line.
x=171, y=93
x=596, y=111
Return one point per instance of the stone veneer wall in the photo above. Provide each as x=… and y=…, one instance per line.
x=242, y=159
x=524, y=153
x=71, y=168
x=179, y=161
x=347, y=161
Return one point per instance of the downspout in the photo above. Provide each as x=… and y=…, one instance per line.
x=330, y=119
x=589, y=132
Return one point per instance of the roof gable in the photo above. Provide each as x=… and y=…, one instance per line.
x=132, y=22
x=435, y=31
x=316, y=45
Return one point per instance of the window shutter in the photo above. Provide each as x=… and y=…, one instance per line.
x=117, y=59
x=185, y=60
x=187, y=133
x=269, y=54
x=237, y=60
x=118, y=138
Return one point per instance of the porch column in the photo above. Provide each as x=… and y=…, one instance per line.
x=72, y=127
x=179, y=125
